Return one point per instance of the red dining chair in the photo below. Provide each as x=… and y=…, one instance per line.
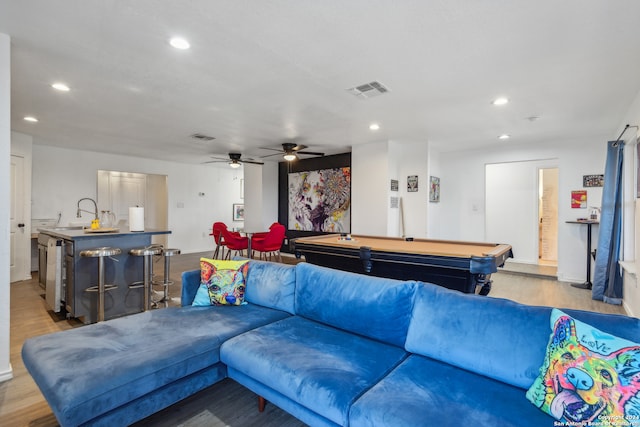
x=270, y=243
x=216, y=232
x=261, y=234
x=234, y=242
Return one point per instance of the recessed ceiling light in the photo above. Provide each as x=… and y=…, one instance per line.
x=61, y=87
x=374, y=126
x=30, y=119
x=500, y=101
x=504, y=136
x=179, y=43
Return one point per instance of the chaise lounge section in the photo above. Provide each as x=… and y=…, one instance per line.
x=330, y=347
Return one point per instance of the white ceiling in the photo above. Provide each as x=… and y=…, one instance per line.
x=260, y=72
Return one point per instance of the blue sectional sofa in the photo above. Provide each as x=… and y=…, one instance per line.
x=329, y=347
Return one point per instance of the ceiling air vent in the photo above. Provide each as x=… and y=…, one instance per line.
x=202, y=137
x=368, y=90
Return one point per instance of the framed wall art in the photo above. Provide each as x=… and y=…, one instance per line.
x=592, y=180
x=238, y=211
x=434, y=189
x=412, y=183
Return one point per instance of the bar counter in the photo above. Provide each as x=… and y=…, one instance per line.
x=80, y=273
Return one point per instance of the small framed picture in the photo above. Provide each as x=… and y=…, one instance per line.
x=412, y=183
x=592, y=180
x=238, y=211
x=434, y=189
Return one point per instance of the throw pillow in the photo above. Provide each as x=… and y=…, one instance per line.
x=588, y=377
x=221, y=282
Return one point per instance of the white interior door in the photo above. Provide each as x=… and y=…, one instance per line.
x=125, y=192
x=19, y=240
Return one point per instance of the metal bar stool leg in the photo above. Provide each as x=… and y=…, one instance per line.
x=147, y=273
x=101, y=287
x=166, y=280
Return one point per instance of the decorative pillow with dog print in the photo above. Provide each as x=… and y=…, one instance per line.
x=221, y=282
x=588, y=377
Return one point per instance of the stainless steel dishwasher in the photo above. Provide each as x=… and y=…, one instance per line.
x=55, y=274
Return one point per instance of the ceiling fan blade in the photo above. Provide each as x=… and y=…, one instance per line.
x=279, y=153
x=299, y=147
x=251, y=161
x=216, y=161
x=310, y=153
x=272, y=149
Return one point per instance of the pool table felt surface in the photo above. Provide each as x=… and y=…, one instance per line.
x=448, y=248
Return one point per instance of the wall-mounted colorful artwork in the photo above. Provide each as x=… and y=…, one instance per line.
x=579, y=199
x=320, y=200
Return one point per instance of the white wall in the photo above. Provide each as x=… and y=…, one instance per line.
x=434, y=209
x=369, y=184
x=6, y=372
x=260, y=196
x=462, y=194
x=61, y=177
x=412, y=159
x=372, y=168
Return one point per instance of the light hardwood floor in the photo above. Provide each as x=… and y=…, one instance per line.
x=225, y=403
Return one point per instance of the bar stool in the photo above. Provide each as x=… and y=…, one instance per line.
x=147, y=252
x=166, y=281
x=101, y=287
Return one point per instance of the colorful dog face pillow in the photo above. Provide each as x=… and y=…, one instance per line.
x=224, y=280
x=588, y=376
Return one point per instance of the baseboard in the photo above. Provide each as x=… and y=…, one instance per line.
x=628, y=310
x=6, y=375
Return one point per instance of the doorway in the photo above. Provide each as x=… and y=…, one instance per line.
x=548, y=216
x=522, y=209
x=117, y=191
x=19, y=240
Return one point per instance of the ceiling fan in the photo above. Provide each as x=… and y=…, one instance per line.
x=291, y=151
x=235, y=159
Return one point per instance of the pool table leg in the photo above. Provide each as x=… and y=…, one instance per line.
x=484, y=280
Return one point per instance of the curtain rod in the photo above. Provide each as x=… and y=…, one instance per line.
x=617, y=141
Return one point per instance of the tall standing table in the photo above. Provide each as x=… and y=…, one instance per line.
x=589, y=223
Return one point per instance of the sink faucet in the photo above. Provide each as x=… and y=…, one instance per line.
x=95, y=205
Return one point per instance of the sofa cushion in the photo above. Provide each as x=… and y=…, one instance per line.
x=374, y=307
x=93, y=369
x=221, y=282
x=271, y=284
x=426, y=392
x=587, y=375
x=495, y=337
x=324, y=369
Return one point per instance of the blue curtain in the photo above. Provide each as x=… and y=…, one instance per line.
x=607, y=282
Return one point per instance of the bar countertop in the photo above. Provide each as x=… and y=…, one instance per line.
x=81, y=233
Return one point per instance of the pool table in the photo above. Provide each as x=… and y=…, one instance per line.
x=463, y=266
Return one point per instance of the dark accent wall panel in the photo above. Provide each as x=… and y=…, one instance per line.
x=301, y=165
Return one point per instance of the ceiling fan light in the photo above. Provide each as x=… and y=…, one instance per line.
x=62, y=87
x=289, y=157
x=234, y=164
x=179, y=43
x=502, y=100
